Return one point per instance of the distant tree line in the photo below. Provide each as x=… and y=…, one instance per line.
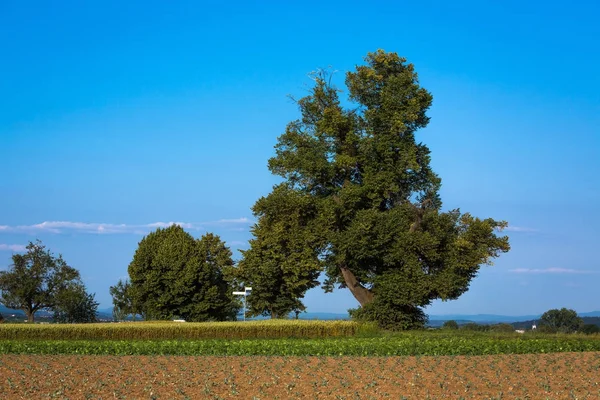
x=552, y=321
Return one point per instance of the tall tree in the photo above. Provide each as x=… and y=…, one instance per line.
x=172, y=274
x=75, y=305
x=35, y=280
x=378, y=211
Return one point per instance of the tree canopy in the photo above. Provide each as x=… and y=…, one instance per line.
x=365, y=201
x=174, y=275
x=36, y=280
x=563, y=320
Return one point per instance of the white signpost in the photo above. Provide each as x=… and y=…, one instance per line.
x=244, y=293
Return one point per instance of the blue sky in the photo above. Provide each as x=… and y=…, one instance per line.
x=118, y=116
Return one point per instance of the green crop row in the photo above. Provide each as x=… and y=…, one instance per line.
x=174, y=330
x=350, y=346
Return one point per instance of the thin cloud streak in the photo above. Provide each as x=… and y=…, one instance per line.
x=519, y=229
x=59, y=227
x=12, y=247
x=242, y=220
x=550, y=271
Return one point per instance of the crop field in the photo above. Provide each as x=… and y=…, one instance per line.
x=291, y=359
x=522, y=376
x=169, y=330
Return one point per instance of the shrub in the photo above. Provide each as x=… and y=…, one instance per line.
x=502, y=328
x=590, y=329
x=450, y=325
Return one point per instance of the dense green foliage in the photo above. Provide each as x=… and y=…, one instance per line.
x=35, y=280
x=174, y=275
x=122, y=301
x=360, y=201
x=173, y=330
x=590, y=329
x=75, y=305
x=282, y=263
x=418, y=343
x=563, y=321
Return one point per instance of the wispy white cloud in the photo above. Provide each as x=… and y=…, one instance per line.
x=107, y=228
x=233, y=221
x=551, y=271
x=519, y=229
x=12, y=247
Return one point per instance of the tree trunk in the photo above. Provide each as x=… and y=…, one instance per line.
x=360, y=293
x=30, y=316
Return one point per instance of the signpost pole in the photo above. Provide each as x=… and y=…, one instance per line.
x=244, y=293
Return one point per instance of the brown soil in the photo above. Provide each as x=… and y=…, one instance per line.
x=545, y=376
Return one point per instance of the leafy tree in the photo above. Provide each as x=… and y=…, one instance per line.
x=122, y=301
x=75, y=305
x=35, y=280
x=174, y=275
x=372, y=197
x=280, y=266
x=1, y=318
x=453, y=325
x=563, y=321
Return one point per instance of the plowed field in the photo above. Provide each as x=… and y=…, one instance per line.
x=530, y=376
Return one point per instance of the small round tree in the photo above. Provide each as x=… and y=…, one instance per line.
x=174, y=275
x=453, y=325
x=563, y=321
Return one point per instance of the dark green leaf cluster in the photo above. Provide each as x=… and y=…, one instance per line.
x=174, y=275
x=590, y=329
x=282, y=263
x=75, y=305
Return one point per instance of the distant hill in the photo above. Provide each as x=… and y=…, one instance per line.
x=5, y=310
x=590, y=314
x=482, y=318
x=439, y=323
